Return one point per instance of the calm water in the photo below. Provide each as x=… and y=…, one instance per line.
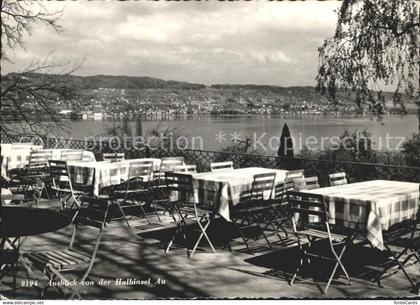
x=263, y=130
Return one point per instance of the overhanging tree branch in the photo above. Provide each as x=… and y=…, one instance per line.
x=375, y=44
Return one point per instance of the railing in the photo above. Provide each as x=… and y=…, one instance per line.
x=356, y=171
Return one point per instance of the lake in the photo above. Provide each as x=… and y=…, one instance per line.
x=214, y=133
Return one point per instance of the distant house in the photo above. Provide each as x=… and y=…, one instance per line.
x=98, y=116
x=65, y=113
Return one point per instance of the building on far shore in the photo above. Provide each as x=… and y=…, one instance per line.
x=97, y=116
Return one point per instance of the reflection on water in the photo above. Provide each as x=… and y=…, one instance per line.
x=259, y=128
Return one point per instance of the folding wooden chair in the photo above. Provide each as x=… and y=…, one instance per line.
x=55, y=264
x=113, y=157
x=159, y=195
x=158, y=187
x=185, y=169
x=219, y=166
x=311, y=223
x=182, y=186
x=280, y=210
x=253, y=206
x=25, y=179
x=39, y=158
x=62, y=184
x=136, y=191
x=337, y=179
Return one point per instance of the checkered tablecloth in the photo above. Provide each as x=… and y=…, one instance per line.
x=59, y=154
x=16, y=155
x=373, y=206
x=222, y=189
x=103, y=173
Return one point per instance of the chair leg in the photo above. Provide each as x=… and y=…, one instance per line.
x=203, y=233
x=276, y=231
x=180, y=227
x=156, y=212
x=144, y=213
x=124, y=216
x=280, y=218
x=256, y=222
x=300, y=266
x=178, y=230
x=237, y=227
x=74, y=294
x=338, y=263
x=401, y=266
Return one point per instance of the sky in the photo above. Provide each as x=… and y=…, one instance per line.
x=256, y=42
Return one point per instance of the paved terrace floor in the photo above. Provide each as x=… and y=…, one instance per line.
x=138, y=254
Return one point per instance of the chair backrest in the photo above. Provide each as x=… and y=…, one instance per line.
x=113, y=157
x=218, y=166
x=308, y=209
x=185, y=168
x=58, y=168
x=93, y=212
x=164, y=159
x=306, y=183
x=311, y=183
x=281, y=189
x=295, y=174
x=167, y=164
x=180, y=183
x=72, y=155
x=140, y=175
x=39, y=158
x=94, y=215
x=263, y=183
x=338, y=179
x=59, y=173
x=158, y=178
x=261, y=188
x=142, y=169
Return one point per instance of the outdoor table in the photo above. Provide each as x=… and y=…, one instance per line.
x=222, y=189
x=57, y=154
x=373, y=206
x=103, y=173
x=17, y=222
x=16, y=155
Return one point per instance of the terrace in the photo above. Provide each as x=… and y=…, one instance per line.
x=137, y=254
x=127, y=254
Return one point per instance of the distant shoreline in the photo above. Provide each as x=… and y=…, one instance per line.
x=224, y=116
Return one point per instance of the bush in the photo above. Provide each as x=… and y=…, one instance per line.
x=411, y=151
